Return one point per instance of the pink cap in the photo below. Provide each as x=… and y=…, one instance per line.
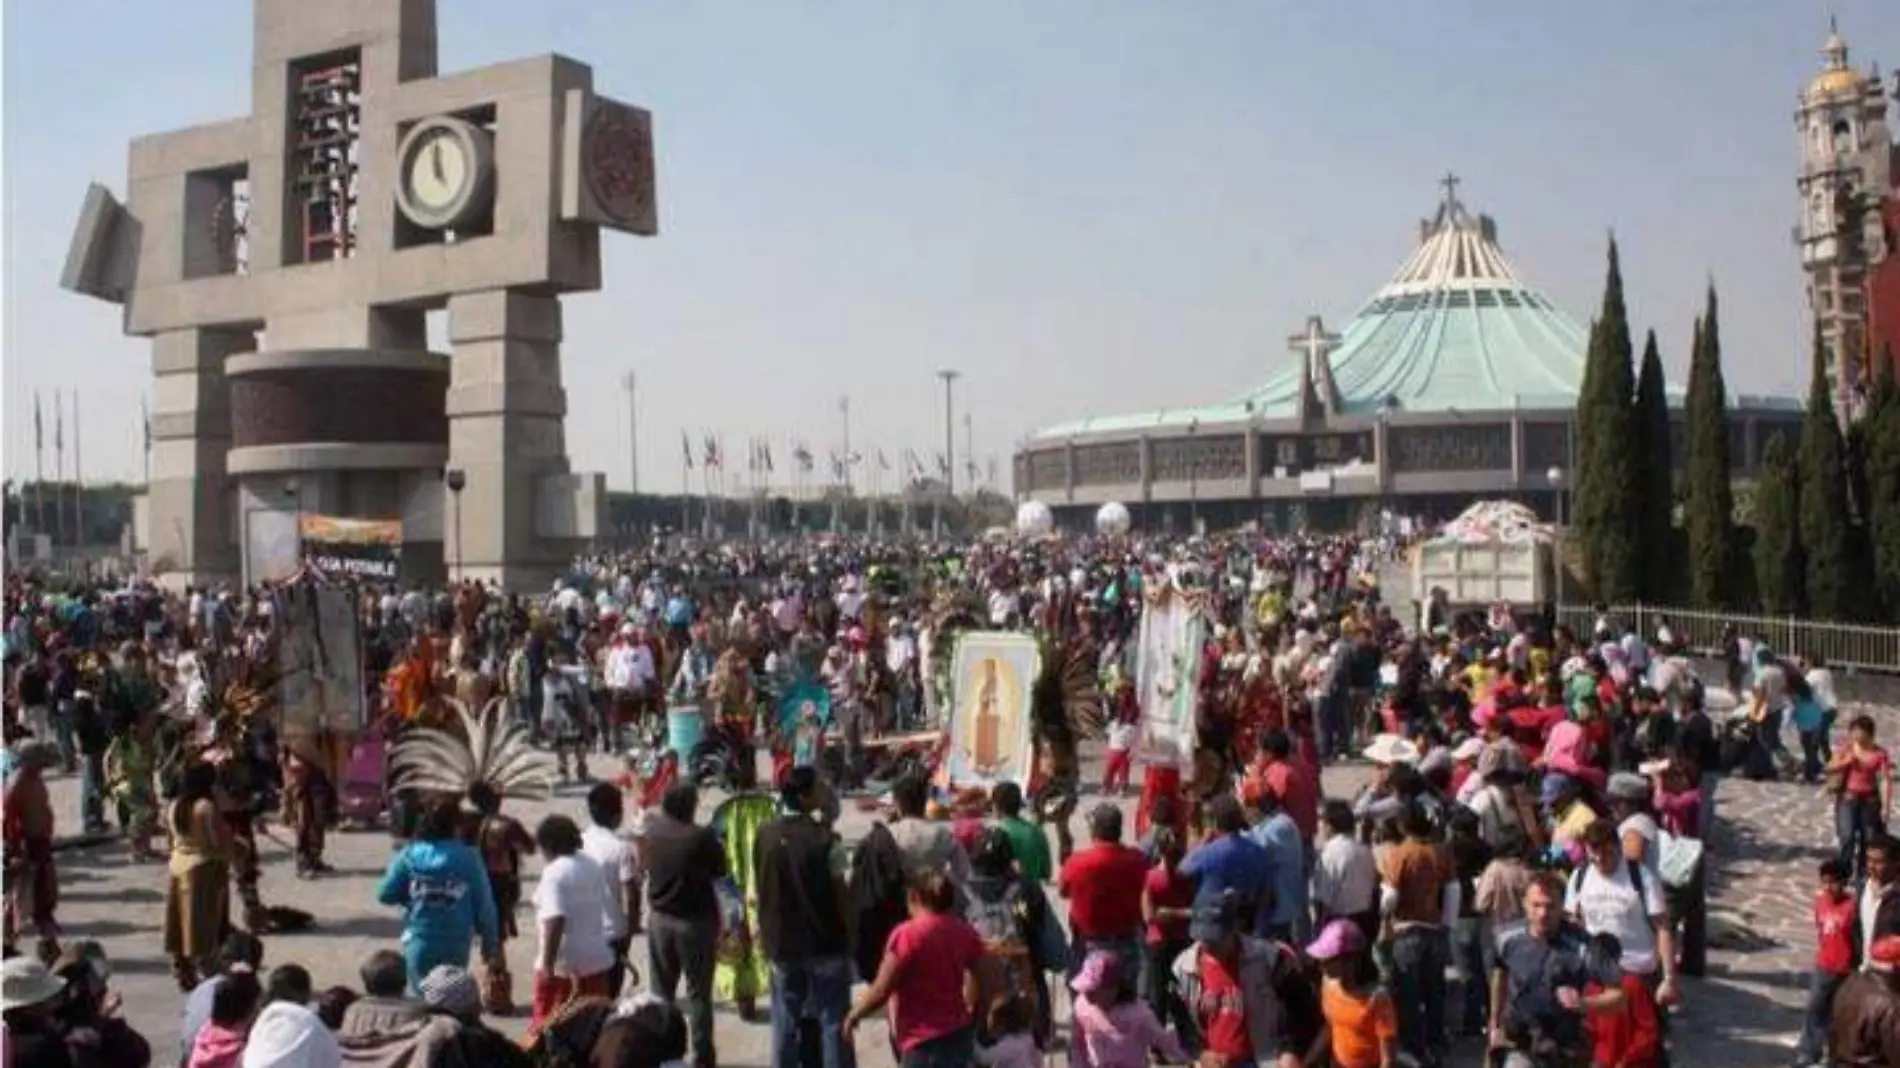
x=1337, y=939
x=1096, y=968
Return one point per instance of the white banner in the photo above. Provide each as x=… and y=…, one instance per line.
x=1168, y=674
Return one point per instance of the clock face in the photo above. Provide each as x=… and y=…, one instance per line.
x=445, y=171
x=439, y=170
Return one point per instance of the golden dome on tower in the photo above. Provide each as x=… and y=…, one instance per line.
x=1838, y=79
x=1835, y=84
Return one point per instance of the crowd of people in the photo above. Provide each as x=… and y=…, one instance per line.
x=1523, y=877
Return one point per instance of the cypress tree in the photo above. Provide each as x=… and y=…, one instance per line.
x=1656, y=497
x=1883, y=485
x=1823, y=497
x=1709, y=512
x=1779, y=576
x=1606, y=482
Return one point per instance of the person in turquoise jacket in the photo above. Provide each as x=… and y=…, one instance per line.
x=442, y=886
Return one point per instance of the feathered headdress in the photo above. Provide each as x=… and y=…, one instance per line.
x=1066, y=702
x=489, y=748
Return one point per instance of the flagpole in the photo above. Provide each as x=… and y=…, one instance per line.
x=686, y=484
x=39, y=469
x=59, y=469
x=79, y=482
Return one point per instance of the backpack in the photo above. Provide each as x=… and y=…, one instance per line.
x=1000, y=923
x=1636, y=877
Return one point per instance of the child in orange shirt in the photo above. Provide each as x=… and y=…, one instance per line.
x=1362, y=1023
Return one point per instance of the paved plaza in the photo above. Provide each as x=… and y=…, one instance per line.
x=1746, y=1013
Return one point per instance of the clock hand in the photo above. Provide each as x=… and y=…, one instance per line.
x=435, y=160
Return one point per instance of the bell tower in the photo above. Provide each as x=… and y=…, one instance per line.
x=1846, y=169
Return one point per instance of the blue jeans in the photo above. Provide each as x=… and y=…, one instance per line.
x=1821, y=988
x=92, y=796
x=1856, y=820
x=1476, y=987
x=1419, y=956
x=954, y=1050
x=818, y=987
x=1813, y=746
x=1335, y=726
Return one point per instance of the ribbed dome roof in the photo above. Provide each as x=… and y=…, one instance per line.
x=1454, y=328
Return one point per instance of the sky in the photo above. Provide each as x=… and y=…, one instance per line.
x=1084, y=207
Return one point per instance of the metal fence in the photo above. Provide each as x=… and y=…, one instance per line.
x=1843, y=645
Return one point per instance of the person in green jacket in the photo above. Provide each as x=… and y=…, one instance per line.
x=1031, y=846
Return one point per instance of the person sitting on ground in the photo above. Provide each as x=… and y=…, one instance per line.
x=453, y=994
x=288, y=983
x=241, y=951
x=34, y=1037
x=220, y=1042
x=97, y=1035
x=291, y=1036
x=385, y=1006
x=332, y=1004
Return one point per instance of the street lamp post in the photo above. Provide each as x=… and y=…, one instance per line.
x=296, y=508
x=1556, y=477
x=949, y=377
x=1194, y=478
x=456, y=480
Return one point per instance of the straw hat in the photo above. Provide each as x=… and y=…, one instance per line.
x=25, y=982
x=1391, y=749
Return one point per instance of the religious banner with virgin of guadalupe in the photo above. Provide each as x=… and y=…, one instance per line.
x=321, y=701
x=992, y=676
x=1168, y=672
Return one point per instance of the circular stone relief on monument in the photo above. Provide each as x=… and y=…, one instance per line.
x=619, y=167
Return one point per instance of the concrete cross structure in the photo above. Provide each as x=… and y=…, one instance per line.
x=283, y=264
x=1315, y=346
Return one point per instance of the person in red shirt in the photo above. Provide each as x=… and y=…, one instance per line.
x=1833, y=958
x=1167, y=900
x=1291, y=782
x=927, y=961
x=1103, y=883
x=1865, y=773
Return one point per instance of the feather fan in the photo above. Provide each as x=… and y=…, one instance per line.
x=1067, y=699
x=490, y=748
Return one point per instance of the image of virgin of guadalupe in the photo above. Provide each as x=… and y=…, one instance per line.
x=989, y=718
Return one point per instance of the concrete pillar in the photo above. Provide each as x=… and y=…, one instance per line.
x=192, y=519
x=505, y=407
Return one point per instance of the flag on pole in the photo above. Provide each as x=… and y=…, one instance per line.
x=913, y=467
x=943, y=465
x=39, y=429
x=145, y=418
x=686, y=450
x=803, y=456
x=752, y=455
x=992, y=470
x=969, y=468
x=883, y=462
x=765, y=455
x=713, y=460
x=853, y=459
x=837, y=466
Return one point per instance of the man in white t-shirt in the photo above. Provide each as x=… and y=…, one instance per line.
x=620, y=868
x=1608, y=895
x=570, y=909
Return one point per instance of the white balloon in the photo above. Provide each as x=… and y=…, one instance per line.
x=1112, y=520
x=1034, y=519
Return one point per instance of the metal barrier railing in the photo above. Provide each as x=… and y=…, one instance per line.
x=1843, y=645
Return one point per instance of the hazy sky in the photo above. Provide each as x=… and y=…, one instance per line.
x=1085, y=207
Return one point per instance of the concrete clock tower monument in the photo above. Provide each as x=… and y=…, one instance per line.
x=283, y=264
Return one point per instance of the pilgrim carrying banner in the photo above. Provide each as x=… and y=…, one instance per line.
x=1168, y=673
x=992, y=675
x=358, y=548
x=321, y=702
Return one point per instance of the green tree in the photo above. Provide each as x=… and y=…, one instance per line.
x=1607, y=496
x=1883, y=485
x=1656, y=495
x=1709, y=509
x=1779, y=575
x=1831, y=590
